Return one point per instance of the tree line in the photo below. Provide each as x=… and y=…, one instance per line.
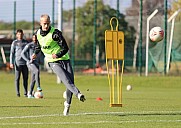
x=85, y=27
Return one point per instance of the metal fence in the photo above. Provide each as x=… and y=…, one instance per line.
x=65, y=16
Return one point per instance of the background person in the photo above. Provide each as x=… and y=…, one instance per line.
x=55, y=49
x=33, y=65
x=18, y=63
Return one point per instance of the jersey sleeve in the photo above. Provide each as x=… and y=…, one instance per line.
x=58, y=37
x=38, y=47
x=25, y=53
x=12, y=53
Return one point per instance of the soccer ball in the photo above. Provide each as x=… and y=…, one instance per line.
x=156, y=34
x=38, y=95
x=129, y=87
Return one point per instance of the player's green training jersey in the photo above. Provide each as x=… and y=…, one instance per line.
x=49, y=46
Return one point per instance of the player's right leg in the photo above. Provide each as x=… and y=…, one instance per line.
x=35, y=70
x=68, y=97
x=61, y=73
x=25, y=79
x=32, y=84
x=64, y=75
x=17, y=79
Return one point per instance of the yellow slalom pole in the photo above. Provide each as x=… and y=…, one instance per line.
x=113, y=82
x=118, y=84
x=114, y=47
x=109, y=81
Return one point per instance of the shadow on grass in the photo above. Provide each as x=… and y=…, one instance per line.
x=149, y=114
x=167, y=113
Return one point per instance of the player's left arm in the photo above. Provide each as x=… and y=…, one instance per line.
x=58, y=37
x=37, y=48
x=24, y=53
x=12, y=54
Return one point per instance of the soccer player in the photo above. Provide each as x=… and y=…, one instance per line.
x=33, y=65
x=55, y=49
x=18, y=63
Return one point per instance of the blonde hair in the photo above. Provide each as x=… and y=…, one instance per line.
x=46, y=16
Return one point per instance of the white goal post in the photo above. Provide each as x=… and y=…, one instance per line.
x=147, y=39
x=172, y=18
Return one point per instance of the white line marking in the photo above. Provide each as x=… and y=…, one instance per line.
x=100, y=113
x=16, y=117
x=95, y=122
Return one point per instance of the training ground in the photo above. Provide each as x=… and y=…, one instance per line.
x=154, y=102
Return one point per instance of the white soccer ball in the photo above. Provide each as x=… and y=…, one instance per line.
x=65, y=95
x=156, y=34
x=129, y=87
x=38, y=95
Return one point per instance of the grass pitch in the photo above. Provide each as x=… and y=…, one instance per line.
x=154, y=102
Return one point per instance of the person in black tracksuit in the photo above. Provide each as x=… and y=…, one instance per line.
x=18, y=63
x=55, y=49
x=33, y=65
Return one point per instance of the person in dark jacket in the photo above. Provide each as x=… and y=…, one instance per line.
x=18, y=63
x=33, y=65
x=55, y=49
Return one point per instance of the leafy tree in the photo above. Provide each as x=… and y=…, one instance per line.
x=6, y=26
x=176, y=5
x=67, y=15
x=85, y=29
x=25, y=25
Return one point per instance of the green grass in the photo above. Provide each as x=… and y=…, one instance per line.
x=154, y=102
